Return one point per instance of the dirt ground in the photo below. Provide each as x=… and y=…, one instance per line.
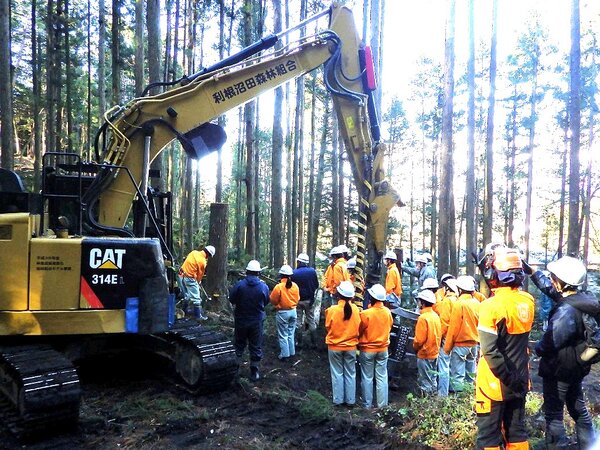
x=129, y=403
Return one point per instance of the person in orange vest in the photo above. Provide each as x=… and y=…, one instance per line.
x=462, y=337
x=443, y=308
x=328, y=278
x=502, y=381
x=339, y=272
x=190, y=276
x=393, y=279
x=285, y=297
x=351, y=266
x=428, y=336
x=342, y=322
x=375, y=327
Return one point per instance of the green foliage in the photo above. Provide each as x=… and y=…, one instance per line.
x=315, y=407
x=441, y=422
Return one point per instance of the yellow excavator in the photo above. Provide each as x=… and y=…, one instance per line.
x=83, y=262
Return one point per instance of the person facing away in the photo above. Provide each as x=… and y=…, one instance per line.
x=285, y=298
x=373, y=342
x=563, y=366
x=339, y=272
x=190, y=276
x=393, y=280
x=445, y=298
x=308, y=282
x=427, y=340
x=328, y=278
x=502, y=379
x=342, y=322
x=249, y=297
x=462, y=336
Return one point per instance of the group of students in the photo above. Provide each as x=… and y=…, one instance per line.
x=460, y=336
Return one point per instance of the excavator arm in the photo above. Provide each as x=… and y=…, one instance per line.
x=139, y=131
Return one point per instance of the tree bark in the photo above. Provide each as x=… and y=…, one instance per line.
x=574, y=232
x=471, y=195
x=447, y=241
x=139, y=47
x=216, y=270
x=6, y=107
x=101, y=59
x=488, y=208
x=37, y=92
x=116, y=52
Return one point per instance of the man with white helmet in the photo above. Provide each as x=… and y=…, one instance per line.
x=562, y=364
x=445, y=298
x=328, y=288
x=423, y=269
x=462, y=336
x=249, y=297
x=502, y=380
x=190, y=276
x=373, y=342
x=306, y=279
x=339, y=271
x=427, y=340
x=393, y=279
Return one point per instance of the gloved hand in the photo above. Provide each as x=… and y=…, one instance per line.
x=527, y=268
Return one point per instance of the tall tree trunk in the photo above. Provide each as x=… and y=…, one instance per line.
x=52, y=71
x=434, y=198
x=471, y=195
x=575, y=126
x=37, y=91
x=239, y=158
x=446, y=232
x=531, y=148
x=6, y=107
x=563, y=189
x=153, y=55
x=68, y=79
x=318, y=191
x=375, y=41
x=276, y=162
x=139, y=47
x=221, y=119
x=116, y=52
x=488, y=205
x=336, y=225
x=88, y=134
x=101, y=58
x=216, y=271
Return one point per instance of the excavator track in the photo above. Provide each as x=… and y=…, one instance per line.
x=40, y=390
x=205, y=360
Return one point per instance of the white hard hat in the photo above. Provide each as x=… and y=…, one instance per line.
x=445, y=277
x=390, y=255
x=303, y=258
x=427, y=296
x=377, y=291
x=428, y=256
x=334, y=251
x=346, y=289
x=430, y=283
x=210, y=249
x=343, y=249
x=465, y=283
x=253, y=266
x=286, y=270
x=351, y=264
x=420, y=259
x=451, y=283
x=568, y=270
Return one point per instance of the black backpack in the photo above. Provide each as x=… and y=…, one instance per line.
x=588, y=351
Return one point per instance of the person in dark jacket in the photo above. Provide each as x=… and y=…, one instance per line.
x=560, y=349
x=308, y=282
x=249, y=298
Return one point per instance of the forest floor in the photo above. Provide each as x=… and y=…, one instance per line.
x=128, y=403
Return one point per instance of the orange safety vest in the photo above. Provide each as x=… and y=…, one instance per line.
x=428, y=334
x=375, y=326
x=393, y=280
x=194, y=265
x=462, y=330
x=443, y=308
x=283, y=298
x=342, y=334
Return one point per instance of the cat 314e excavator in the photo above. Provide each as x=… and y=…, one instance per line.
x=82, y=274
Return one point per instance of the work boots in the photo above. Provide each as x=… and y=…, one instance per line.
x=198, y=313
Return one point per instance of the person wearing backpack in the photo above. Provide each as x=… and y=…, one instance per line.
x=561, y=347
